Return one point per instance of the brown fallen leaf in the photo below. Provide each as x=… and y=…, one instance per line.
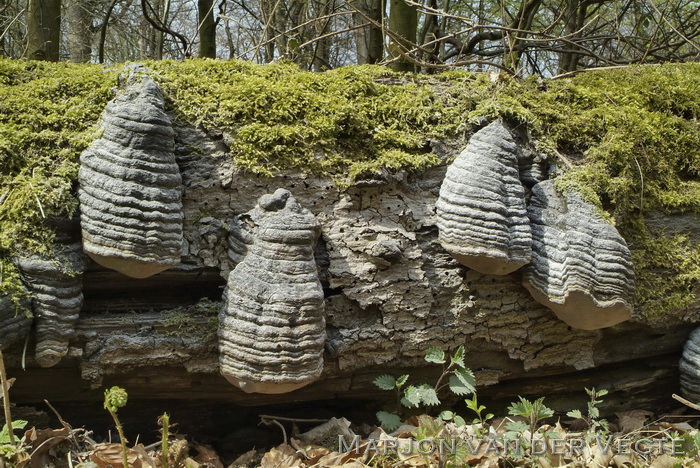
x=631, y=421
x=281, y=457
x=245, y=460
x=105, y=455
x=207, y=456
x=43, y=442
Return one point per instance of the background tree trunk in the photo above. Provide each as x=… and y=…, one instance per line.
x=403, y=22
x=80, y=30
x=370, y=39
x=207, y=29
x=43, y=30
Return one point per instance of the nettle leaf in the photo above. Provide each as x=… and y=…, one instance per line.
x=517, y=426
x=411, y=397
x=389, y=421
x=428, y=396
x=462, y=382
x=435, y=355
x=385, y=382
x=575, y=414
x=5, y=433
x=458, y=357
x=401, y=381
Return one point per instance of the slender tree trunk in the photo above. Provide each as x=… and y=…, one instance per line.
x=268, y=16
x=403, y=22
x=207, y=29
x=370, y=39
x=43, y=30
x=160, y=34
x=80, y=30
x=574, y=17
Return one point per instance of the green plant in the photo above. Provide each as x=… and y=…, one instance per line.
x=473, y=405
x=593, y=413
x=455, y=376
x=533, y=411
x=164, y=434
x=12, y=449
x=116, y=398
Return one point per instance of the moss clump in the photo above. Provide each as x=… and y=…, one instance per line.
x=344, y=122
x=199, y=320
x=48, y=115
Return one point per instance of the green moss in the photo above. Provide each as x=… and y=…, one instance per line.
x=631, y=136
x=345, y=122
x=48, y=114
x=199, y=320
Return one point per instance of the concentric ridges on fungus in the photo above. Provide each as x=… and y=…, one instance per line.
x=56, y=287
x=272, y=329
x=130, y=185
x=15, y=322
x=581, y=267
x=689, y=367
x=481, y=214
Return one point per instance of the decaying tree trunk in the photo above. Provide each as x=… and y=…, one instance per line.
x=390, y=292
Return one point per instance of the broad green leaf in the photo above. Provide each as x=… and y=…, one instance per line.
x=459, y=421
x=411, y=397
x=466, y=376
x=5, y=433
x=385, y=382
x=435, y=355
x=389, y=421
x=447, y=415
x=428, y=396
x=458, y=357
x=575, y=414
x=401, y=381
x=517, y=426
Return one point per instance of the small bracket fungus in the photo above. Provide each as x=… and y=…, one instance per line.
x=581, y=267
x=130, y=185
x=689, y=367
x=272, y=328
x=56, y=286
x=481, y=214
x=15, y=323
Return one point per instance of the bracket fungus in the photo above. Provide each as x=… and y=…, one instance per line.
x=689, y=367
x=15, y=323
x=481, y=214
x=581, y=267
x=130, y=185
x=272, y=327
x=56, y=286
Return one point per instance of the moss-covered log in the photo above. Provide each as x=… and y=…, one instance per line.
x=365, y=150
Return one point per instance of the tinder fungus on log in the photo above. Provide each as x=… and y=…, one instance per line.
x=690, y=367
x=130, y=185
x=581, y=267
x=272, y=328
x=481, y=214
x=56, y=286
x=15, y=322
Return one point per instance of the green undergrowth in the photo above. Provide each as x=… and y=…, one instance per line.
x=629, y=138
